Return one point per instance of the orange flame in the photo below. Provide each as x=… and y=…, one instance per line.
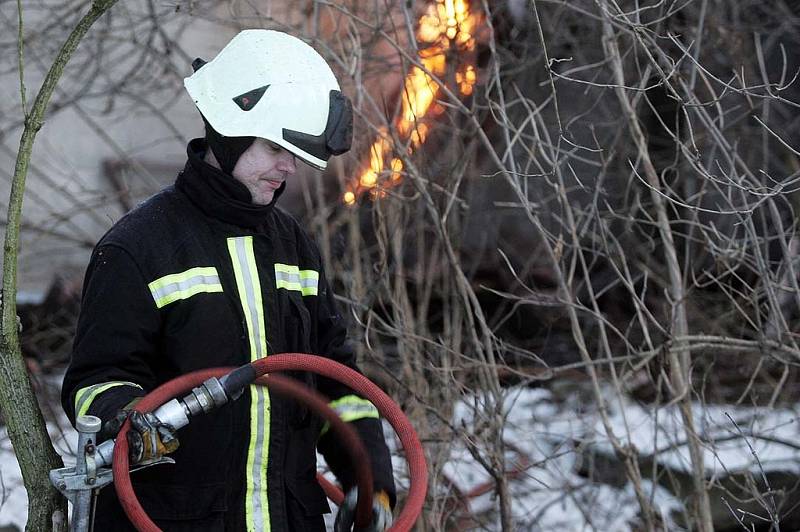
x=446, y=25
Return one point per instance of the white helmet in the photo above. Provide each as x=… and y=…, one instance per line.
x=271, y=85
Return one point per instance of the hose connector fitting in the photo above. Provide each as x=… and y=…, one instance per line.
x=206, y=397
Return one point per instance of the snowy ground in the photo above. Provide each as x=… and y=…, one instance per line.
x=12, y=493
x=13, y=498
x=550, y=494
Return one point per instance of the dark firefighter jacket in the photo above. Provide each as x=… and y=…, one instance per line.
x=197, y=277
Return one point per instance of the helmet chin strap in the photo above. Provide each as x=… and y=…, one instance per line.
x=226, y=150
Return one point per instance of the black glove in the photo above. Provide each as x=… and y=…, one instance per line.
x=381, y=513
x=148, y=437
x=111, y=427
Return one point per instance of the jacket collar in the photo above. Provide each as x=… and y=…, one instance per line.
x=218, y=194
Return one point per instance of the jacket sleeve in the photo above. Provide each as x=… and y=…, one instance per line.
x=115, y=338
x=360, y=413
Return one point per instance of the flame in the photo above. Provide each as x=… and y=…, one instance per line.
x=446, y=25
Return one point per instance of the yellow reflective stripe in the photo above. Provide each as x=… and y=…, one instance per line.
x=309, y=282
x=265, y=434
x=249, y=290
x=289, y=285
x=351, y=408
x=186, y=294
x=177, y=286
x=87, y=394
x=286, y=268
x=259, y=304
x=251, y=453
x=291, y=277
x=183, y=276
x=287, y=276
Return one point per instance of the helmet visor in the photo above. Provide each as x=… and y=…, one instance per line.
x=337, y=136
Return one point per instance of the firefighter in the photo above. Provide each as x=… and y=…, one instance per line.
x=210, y=272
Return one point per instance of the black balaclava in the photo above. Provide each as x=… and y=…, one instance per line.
x=227, y=150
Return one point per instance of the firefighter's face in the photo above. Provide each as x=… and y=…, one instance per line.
x=263, y=168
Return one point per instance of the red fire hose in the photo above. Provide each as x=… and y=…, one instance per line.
x=286, y=362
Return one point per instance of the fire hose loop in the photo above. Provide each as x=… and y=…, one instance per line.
x=284, y=386
x=325, y=367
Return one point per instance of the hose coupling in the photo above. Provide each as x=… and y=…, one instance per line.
x=206, y=397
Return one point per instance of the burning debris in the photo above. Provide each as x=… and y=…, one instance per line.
x=445, y=33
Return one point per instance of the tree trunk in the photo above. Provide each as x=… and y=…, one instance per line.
x=26, y=426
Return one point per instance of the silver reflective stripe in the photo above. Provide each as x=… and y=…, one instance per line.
x=288, y=277
x=308, y=286
x=290, y=281
x=250, y=279
x=291, y=277
x=309, y=282
x=259, y=467
x=249, y=288
x=177, y=286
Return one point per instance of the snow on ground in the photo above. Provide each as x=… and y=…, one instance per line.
x=550, y=495
x=14, y=499
x=743, y=436
x=544, y=430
